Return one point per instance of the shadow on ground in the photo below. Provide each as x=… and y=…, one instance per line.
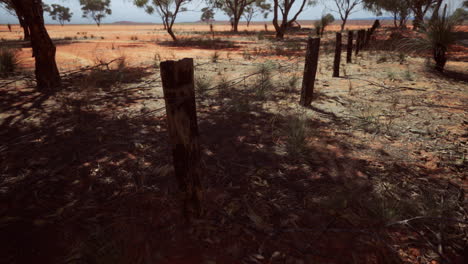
x=86, y=185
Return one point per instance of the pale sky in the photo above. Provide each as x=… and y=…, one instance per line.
x=124, y=10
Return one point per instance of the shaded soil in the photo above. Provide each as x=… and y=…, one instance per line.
x=86, y=174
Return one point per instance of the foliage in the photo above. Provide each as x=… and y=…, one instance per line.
x=345, y=8
x=260, y=7
x=296, y=133
x=96, y=9
x=321, y=24
x=438, y=34
x=59, y=13
x=8, y=61
x=235, y=9
x=282, y=9
x=420, y=8
x=460, y=14
x=166, y=9
x=399, y=9
x=207, y=15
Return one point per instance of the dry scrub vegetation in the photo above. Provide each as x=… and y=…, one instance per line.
x=373, y=172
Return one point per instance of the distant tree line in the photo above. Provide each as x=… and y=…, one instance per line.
x=285, y=14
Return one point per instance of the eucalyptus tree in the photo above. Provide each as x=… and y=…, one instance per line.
x=420, y=8
x=207, y=15
x=166, y=9
x=236, y=9
x=59, y=13
x=8, y=6
x=43, y=49
x=345, y=8
x=96, y=9
x=260, y=7
x=282, y=9
x=399, y=9
x=322, y=23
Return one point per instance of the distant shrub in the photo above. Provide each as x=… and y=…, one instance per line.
x=382, y=59
x=156, y=60
x=202, y=84
x=296, y=133
x=263, y=84
x=261, y=35
x=215, y=57
x=437, y=35
x=8, y=61
x=246, y=55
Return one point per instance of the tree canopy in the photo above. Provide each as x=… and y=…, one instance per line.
x=166, y=9
x=59, y=13
x=96, y=9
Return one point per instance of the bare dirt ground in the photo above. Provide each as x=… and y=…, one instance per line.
x=373, y=172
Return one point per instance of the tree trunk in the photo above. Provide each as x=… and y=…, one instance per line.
x=27, y=36
x=337, y=60
x=47, y=74
x=343, y=25
x=235, y=24
x=23, y=25
x=418, y=19
x=279, y=29
x=179, y=96
x=280, y=33
x=173, y=36
x=310, y=70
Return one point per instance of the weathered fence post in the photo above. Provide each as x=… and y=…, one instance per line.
x=179, y=95
x=337, y=60
x=371, y=31
x=360, y=40
x=367, y=39
x=349, y=47
x=310, y=70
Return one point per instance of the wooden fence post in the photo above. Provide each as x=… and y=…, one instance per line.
x=349, y=47
x=358, y=43
x=371, y=31
x=179, y=95
x=310, y=70
x=360, y=40
x=337, y=60
x=367, y=39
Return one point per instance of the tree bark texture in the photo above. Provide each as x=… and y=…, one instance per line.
x=179, y=94
x=47, y=74
x=310, y=71
x=337, y=60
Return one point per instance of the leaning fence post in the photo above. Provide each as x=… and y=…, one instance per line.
x=349, y=47
x=310, y=70
x=179, y=95
x=336, y=61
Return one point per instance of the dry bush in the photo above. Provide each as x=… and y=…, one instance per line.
x=8, y=61
x=106, y=77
